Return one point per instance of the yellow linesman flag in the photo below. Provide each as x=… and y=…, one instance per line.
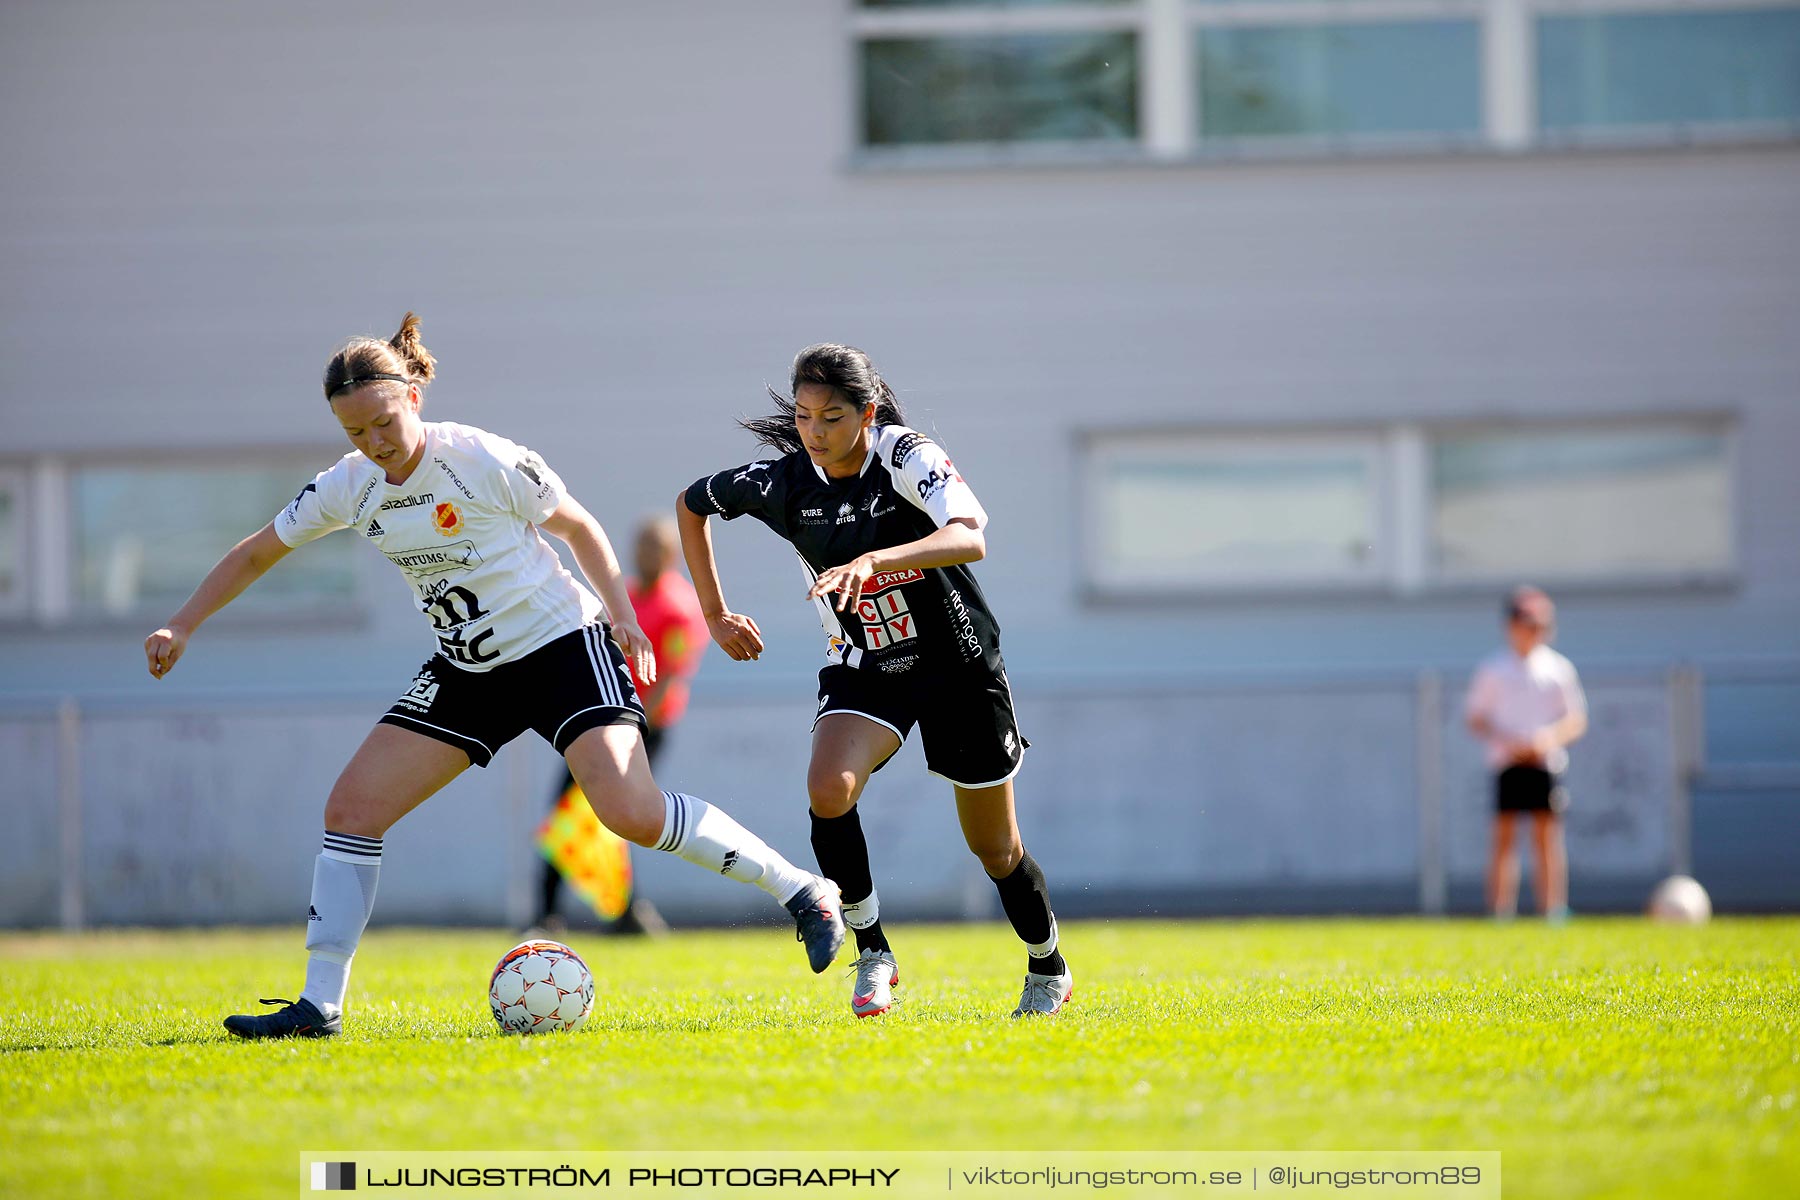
x=595, y=860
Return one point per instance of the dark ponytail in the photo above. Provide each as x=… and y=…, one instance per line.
x=846, y=371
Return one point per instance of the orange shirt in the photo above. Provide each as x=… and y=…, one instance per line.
x=669, y=614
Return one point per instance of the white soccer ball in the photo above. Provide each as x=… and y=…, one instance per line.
x=540, y=986
x=1680, y=900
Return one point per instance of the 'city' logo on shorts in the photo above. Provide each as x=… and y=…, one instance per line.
x=334, y=1177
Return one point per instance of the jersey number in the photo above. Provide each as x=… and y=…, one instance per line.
x=452, y=621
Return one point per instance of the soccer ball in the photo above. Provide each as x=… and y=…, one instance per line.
x=1680, y=900
x=540, y=986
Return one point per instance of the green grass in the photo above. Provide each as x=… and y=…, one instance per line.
x=1607, y=1058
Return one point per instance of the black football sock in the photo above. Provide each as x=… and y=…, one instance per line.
x=548, y=889
x=843, y=855
x=1026, y=899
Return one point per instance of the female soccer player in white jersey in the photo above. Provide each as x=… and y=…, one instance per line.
x=521, y=645
x=881, y=519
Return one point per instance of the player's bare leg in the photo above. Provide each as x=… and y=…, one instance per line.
x=610, y=765
x=1503, y=868
x=1552, y=877
x=846, y=750
x=393, y=772
x=991, y=828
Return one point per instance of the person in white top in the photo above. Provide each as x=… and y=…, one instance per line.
x=1525, y=703
x=522, y=644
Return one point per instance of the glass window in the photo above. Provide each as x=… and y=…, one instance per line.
x=1195, y=511
x=13, y=598
x=981, y=3
x=144, y=536
x=1010, y=88
x=1375, y=78
x=1669, y=68
x=1579, y=503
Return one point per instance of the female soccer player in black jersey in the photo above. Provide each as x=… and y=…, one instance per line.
x=522, y=644
x=885, y=528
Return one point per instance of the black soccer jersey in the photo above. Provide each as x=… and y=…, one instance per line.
x=907, y=488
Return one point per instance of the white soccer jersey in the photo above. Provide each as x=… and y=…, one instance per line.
x=463, y=530
x=1519, y=696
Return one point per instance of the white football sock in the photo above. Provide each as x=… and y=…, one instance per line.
x=696, y=832
x=343, y=896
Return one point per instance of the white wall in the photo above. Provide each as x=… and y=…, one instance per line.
x=618, y=221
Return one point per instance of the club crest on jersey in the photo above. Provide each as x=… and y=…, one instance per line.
x=448, y=519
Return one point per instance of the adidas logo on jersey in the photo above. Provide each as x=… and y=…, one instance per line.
x=375, y=529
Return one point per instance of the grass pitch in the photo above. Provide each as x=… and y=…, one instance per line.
x=1607, y=1058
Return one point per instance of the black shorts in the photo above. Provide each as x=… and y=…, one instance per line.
x=562, y=689
x=1529, y=789
x=965, y=718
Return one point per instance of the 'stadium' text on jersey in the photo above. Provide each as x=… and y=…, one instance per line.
x=463, y=530
x=907, y=488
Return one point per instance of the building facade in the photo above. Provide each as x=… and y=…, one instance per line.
x=1276, y=343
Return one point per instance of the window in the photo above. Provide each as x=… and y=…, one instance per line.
x=1575, y=503
x=1669, y=68
x=14, y=597
x=143, y=536
x=988, y=3
x=1067, y=87
x=1196, y=511
x=1336, y=80
x=1409, y=508
x=979, y=81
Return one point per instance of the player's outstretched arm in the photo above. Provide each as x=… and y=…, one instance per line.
x=594, y=555
x=959, y=541
x=242, y=566
x=736, y=634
